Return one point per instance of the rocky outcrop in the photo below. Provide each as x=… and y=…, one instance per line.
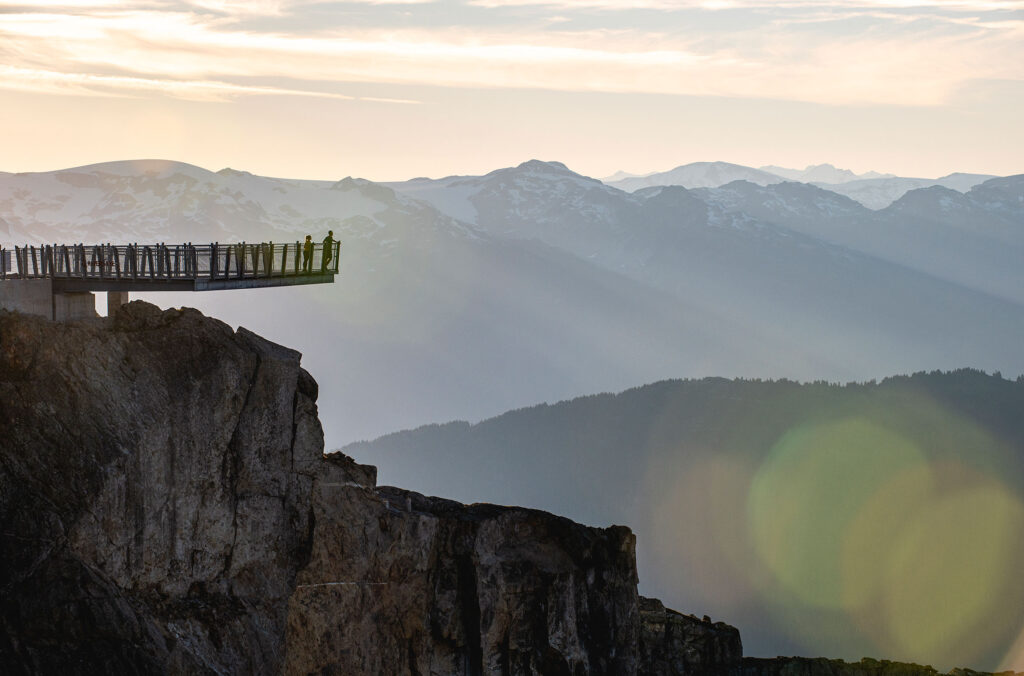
x=820, y=666
x=156, y=474
x=672, y=644
x=165, y=507
x=401, y=583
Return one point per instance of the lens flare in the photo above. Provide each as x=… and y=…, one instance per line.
x=804, y=498
x=918, y=550
x=950, y=587
x=700, y=524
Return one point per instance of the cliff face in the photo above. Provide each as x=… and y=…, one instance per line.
x=156, y=473
x=673, y=643
x=400, y=583
x=165, y=507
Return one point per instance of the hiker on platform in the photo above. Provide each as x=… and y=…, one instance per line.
x=307, y=254
x=328, y=252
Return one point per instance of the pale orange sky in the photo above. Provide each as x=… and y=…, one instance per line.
x=391, y=90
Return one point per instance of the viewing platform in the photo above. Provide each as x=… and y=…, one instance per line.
x=58, y=280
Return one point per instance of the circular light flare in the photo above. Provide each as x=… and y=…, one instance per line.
x=811, y=489
x=920, y=554
x=951, y=591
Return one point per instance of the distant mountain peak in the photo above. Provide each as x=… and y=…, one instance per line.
x=541, y=165
x=146, y=167
x=228, y=171
x=699, y=175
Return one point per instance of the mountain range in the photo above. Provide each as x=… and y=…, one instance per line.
x=464, y=297
x=872, y=189
x=867, y=519
x=467, y=296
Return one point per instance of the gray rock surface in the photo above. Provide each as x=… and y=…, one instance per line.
x=820, y=666
x=672, y=644
x=165, y=507
x=156, y=474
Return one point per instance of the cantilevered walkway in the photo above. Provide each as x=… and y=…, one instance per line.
x=70, y=270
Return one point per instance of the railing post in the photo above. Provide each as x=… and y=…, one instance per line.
x=67, y=260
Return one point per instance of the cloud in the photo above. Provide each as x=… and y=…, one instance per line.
x=51, y=82
x=721, y=5
x=904, y=59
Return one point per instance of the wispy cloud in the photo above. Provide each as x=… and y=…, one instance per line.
x=872, y=51
x=52, y=82
x=724, y=5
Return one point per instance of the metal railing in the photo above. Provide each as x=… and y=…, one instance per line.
x=167, y=262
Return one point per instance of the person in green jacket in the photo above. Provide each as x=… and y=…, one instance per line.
x=328, y=252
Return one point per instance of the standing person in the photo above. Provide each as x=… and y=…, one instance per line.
x=328, y=252
x=307, y=254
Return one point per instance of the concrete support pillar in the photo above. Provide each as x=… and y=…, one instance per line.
x=29, y=296
x=70, y=306
x=115, y=299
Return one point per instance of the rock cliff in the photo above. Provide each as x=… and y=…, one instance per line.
x=166, y=507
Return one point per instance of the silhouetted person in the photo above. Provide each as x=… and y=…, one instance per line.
x=328, y=251
x=307, y=254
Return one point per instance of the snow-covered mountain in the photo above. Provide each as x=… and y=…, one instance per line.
x=431, y=317
x=974, y=240
x=553, y=284
x=872, y=189
x=698, y=175
x=821, y=173
x=878, y=193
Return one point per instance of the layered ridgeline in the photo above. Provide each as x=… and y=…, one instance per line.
x=873, y=190
x=880, y=519
x=468, y=296
x=166, y=507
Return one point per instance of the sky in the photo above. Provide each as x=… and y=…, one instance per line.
x=393, y=89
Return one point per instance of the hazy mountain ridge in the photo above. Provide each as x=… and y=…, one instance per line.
x=699, y=175
x=556, y=284
x=872, y=189
x=973, y=239
x=579, y=286
x=684, y=457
